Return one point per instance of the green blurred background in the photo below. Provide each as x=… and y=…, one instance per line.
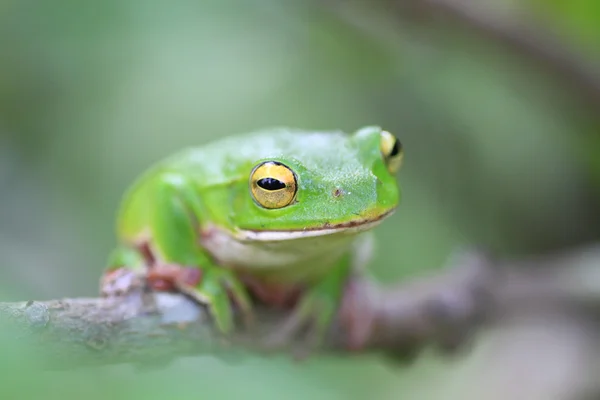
x=500, y=152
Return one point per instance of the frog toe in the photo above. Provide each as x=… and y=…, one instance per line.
x=121, y=281
x=310, y=322
x=221, y=291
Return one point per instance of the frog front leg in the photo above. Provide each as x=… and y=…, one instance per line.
x=175, y=213
x=316, y=309
x=125, y=271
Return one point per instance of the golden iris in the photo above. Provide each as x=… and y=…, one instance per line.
x=392, y=151
x=273, y=185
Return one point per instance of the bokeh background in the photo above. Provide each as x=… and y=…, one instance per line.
x=501, y=147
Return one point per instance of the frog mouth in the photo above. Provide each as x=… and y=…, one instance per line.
x=353, y=226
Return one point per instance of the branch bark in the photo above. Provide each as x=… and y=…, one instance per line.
x=443, y=310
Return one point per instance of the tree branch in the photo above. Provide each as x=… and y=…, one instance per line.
x=442, y=310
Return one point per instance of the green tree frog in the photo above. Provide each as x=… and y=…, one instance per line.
x=279, y=216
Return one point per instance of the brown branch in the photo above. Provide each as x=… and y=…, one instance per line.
x=441, y=310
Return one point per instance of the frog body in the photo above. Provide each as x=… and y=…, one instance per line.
x=278, y=208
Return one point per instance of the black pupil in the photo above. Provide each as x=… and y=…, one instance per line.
x=270, y=184
x=396, y=149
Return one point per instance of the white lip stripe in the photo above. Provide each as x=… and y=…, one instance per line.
x=265, y=236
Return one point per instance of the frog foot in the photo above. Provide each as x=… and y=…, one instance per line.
x=212, y=287
x=312, y=318
x=162, y=278
x=170, y=277
x=120, y=281
x=220, y=290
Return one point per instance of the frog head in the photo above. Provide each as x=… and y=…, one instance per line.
x=314, y=184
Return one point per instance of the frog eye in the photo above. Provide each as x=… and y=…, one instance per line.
x=273, y=185
x=392, y=151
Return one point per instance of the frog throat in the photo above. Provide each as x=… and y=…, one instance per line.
x=355, y=226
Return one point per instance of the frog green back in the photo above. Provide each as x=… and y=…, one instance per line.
x=220, y=170
x=223, y=163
